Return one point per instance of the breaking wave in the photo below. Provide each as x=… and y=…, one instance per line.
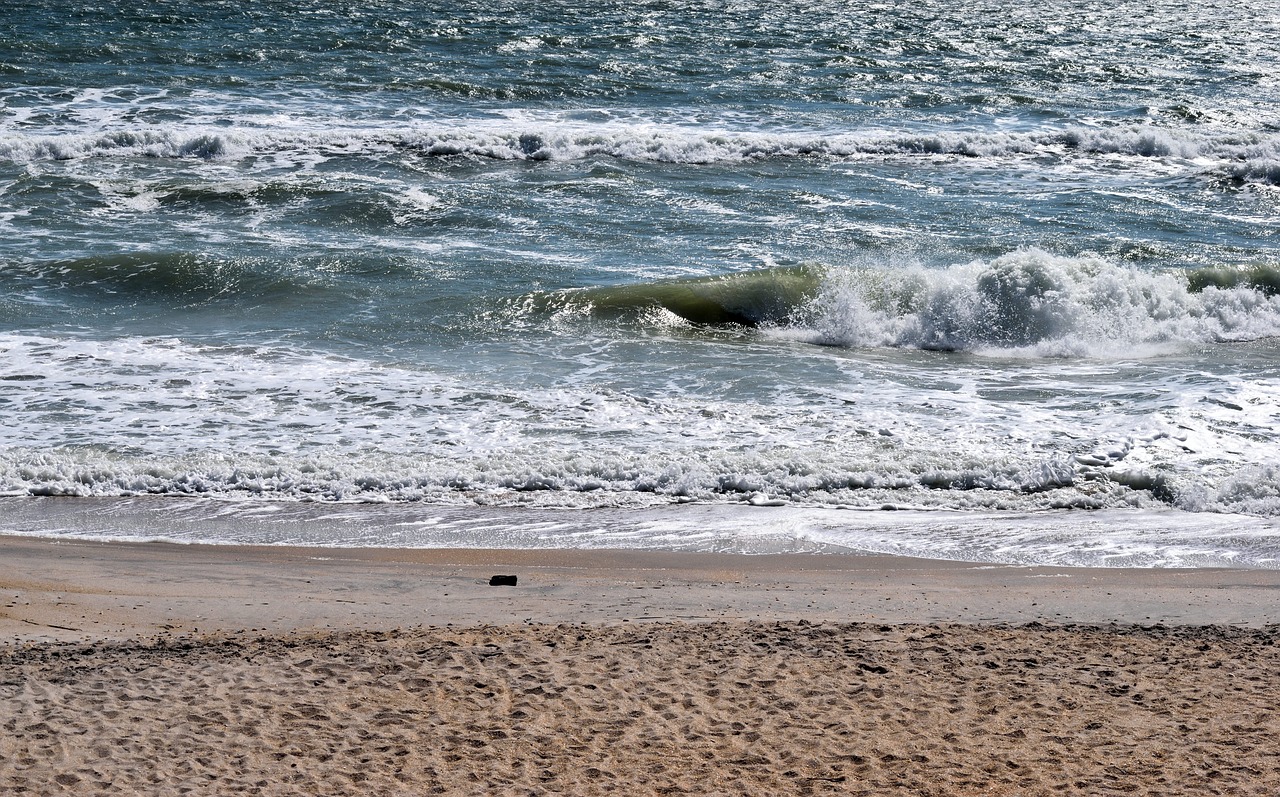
x=1042, y=304
x=1245, y=157
x=1029, y=301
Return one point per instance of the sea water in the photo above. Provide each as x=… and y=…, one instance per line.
x=670, y=274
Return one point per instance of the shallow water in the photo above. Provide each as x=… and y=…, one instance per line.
x=1101, y=538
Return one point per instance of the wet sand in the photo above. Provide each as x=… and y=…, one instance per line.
x=164, y=669
x=75, y=590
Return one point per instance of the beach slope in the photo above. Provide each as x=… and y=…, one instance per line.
x=164, y=669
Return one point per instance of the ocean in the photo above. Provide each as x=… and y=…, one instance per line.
x=953, y=280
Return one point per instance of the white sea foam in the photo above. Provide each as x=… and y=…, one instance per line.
x=1032, y=303
x=1248, y=157
x=162, y=416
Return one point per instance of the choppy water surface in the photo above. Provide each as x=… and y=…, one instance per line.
x=945, y=257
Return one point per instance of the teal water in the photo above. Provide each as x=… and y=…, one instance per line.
x=947, y=257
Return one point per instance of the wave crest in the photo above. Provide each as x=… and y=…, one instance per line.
x=1041, y=304
x=753, y=298
x=1028, y=303
x=1243, y=157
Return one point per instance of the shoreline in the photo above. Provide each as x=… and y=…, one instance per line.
x=76, y=590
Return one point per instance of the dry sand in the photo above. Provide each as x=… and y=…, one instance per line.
x=158, y=669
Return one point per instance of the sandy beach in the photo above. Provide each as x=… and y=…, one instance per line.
x=164, y=669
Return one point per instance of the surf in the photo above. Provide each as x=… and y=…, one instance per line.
x=1247, y=158
x=1028, y=302
x=1033, y=303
